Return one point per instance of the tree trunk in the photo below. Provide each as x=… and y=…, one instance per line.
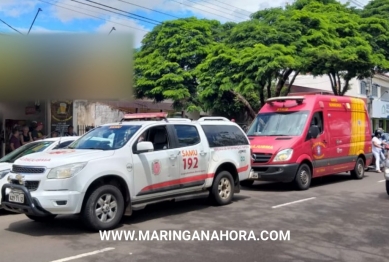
x=268, y=87
x=281, y=81
x=250, y=110
x=291, y=82
x=345, y=87
x=333, y=83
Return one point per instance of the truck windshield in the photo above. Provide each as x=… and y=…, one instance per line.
x=279, y=124
x=105, y=137
x=27, y=149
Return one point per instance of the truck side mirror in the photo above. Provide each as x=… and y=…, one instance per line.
x=313, y=132
x=144, y=146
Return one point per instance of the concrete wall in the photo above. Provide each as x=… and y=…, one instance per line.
x=94, y=113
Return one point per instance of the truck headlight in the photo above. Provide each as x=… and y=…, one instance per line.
x=3, y=173
x=284, y=155
x=66, y=171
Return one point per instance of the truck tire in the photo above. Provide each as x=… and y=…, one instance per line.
x=387, y=187
x=42, y=219
x=104, y=208
x=222, y=190
x=303, y=177
x=359, y=170
x=247, y=183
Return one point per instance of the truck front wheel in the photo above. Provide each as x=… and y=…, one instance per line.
x=303, y=177
x=104, y=208
x=387, y=186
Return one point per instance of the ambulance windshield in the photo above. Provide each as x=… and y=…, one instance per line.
x=279, y=124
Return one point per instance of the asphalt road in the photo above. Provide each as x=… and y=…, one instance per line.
x=339, y=219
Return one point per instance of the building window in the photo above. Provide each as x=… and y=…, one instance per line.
x=363, y=88
x=374, y=90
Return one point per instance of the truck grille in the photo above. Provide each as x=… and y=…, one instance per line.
x=27, y=169
x=261, y=157
x=30, y=185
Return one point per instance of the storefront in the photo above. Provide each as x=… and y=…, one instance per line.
x=380, y=114
x=20, y=114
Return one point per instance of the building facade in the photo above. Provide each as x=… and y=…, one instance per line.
x=375, y=92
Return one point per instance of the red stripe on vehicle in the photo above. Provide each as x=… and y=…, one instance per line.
x=186, y=180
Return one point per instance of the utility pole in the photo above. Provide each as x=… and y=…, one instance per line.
x=34, y=20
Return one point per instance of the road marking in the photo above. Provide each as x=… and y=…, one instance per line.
x=84, y=255
x=294, y=202
x=381, y=181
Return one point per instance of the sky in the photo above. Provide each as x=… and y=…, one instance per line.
x=136, y=17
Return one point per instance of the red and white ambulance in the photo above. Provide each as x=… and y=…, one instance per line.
x=297, y=138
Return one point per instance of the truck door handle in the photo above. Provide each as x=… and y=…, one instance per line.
x=325, y=141
x=202, y=153
x=174, y=156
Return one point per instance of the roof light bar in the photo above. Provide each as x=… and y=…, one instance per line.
x=145, y=116
x=299, y=99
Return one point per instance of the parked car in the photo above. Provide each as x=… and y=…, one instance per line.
x=297, y=138
x=33, y=147
x=120, y=167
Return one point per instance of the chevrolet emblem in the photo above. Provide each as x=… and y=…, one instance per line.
x=20, y=178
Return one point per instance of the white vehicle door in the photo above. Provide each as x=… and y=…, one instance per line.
x=194, y=156
x=156, y=172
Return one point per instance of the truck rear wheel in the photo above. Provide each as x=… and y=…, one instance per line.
x=303, y=177
x=359, y=170
x=222, y=190
x=104, y=208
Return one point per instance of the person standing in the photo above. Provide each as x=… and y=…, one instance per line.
x=25, y=136
x=14, y=142
x=70, y=131
x=37, y=132
x=377, y=150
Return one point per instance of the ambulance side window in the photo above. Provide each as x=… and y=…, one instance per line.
x=317, y=120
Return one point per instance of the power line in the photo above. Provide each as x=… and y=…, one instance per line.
x=114, y=12
x=213, y=8
x=149, y=9
x=10, y=26
x=233, y=6
x=202, y=10
x=232, y=10
x=143, y=17
x=107, y=20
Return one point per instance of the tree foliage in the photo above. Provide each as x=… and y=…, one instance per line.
x=205, y=65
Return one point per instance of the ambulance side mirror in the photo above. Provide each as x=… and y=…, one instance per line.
x=144, y=146
x=313, y=132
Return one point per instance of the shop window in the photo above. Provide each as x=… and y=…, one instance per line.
x=374, y=90
x=363, y=88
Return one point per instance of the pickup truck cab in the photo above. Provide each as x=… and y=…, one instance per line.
x=120, y=167
x=297, y=138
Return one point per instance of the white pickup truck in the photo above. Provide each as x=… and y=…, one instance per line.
x=120, y=167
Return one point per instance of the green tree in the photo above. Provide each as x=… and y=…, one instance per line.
x=336, y=45
x=164, y=67
x=375, y=27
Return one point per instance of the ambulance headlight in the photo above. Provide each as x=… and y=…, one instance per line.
x=66, y=171
x=283, y=155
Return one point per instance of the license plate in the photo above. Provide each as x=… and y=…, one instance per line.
x=16, y=197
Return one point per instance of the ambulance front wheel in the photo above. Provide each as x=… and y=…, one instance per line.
x=303, y=177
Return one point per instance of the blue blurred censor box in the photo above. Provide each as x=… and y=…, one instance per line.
x=66, y=66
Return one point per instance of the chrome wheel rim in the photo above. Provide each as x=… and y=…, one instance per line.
x=224, y=188
x=360, y=169
x=304, y=177
x=106, y=208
